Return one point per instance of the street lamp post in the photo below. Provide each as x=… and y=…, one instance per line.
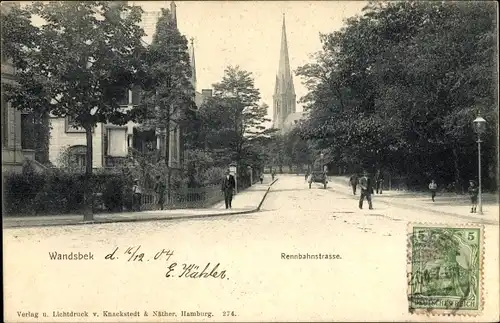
x=479, y=125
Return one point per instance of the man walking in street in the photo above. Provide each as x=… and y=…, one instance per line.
x=366, y=190
x=353, y=181
x=228, y=186
x=433, y=188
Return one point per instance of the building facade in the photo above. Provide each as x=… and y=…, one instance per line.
x=112, y=143
x=19, y=140
x=284, y=98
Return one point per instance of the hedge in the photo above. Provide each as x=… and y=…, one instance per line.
x=59, y=193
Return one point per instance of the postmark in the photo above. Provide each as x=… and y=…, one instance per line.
x=444, y=269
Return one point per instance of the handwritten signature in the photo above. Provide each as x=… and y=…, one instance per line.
x=174, y=269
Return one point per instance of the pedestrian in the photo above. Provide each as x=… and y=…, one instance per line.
x=261, y=178
x=379, y=181
x=228, y=186
x=366, y=190
x=473, y=192
x=433, y=188
x=137, y=196
x=160, y=189
x=353, y=181
x=273, y=173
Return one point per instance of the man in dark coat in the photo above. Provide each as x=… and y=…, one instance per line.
x=228, y=186
x=366, y=190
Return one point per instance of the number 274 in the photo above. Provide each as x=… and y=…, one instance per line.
x=228, y=313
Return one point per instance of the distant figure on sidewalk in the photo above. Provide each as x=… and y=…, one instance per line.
x=306, y=175
x=353, y=181
x=433, y=188
x=228, y=186
x=261, y=178
x=160, y=189
x=273, y=173
x=366, y=190
x=473, y=192
x=379, y=181
x=137, y=196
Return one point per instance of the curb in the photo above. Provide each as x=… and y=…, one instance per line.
x=263, y=198
x=104, y=221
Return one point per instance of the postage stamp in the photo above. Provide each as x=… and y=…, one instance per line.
x=444, y=269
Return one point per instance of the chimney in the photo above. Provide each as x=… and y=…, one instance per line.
x=206, y=93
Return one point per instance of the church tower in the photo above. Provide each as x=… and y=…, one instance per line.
x=284, y=98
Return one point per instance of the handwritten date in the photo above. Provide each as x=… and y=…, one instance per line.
x=133, y=254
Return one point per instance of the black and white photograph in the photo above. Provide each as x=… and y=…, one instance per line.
x=250, y=161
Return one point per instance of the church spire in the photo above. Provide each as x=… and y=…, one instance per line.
x=193, y=65
x=284, y=91
x=284, y=71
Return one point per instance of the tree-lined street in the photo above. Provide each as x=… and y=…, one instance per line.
x=400, y=97
x=294, y=219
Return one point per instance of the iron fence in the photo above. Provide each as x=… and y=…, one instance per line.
x=184, y=198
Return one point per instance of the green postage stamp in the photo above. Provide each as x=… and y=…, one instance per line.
x=445, y=275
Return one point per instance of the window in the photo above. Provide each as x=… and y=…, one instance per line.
x=136, y=95
x=117, y=142
x=124, y=100
x=77, y=156
x=5, y=123
x=27, y=131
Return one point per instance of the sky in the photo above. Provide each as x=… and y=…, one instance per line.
x=248, y=34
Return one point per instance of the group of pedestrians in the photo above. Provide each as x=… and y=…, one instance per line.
x=137, y=194
x=367, y=186
x=472, y=190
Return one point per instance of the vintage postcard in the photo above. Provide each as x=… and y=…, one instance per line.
x=250, y=161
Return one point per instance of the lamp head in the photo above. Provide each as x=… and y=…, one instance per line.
x=479, y=125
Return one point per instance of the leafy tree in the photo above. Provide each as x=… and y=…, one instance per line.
x=167, y=89
x=229, y=125
x=398, y=87
x=77, y=65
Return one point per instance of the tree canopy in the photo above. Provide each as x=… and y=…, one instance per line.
x=79, y=64
x=398, y=88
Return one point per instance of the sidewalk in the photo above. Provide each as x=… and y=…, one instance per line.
x=244, y=202
x=445, y=203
